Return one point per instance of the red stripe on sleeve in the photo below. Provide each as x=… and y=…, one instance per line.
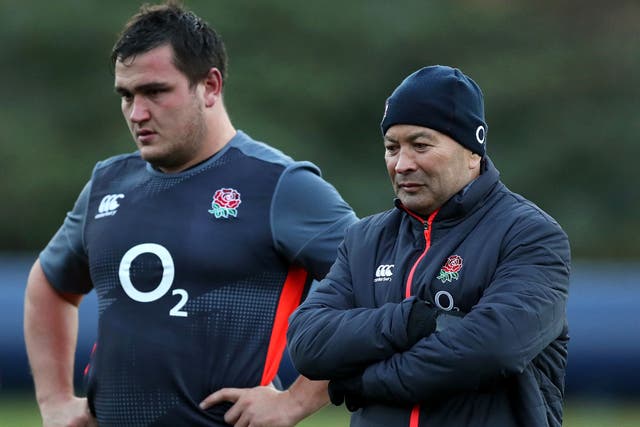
x=290, y=298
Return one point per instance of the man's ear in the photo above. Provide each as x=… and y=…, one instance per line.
x=212, y=87
x=474, y=161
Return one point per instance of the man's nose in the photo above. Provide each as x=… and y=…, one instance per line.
x=139, y=111
x=406, y=162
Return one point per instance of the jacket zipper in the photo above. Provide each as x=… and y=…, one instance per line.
x=414, y=420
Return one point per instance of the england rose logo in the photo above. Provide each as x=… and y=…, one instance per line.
x=450, y=269
x=225, y=203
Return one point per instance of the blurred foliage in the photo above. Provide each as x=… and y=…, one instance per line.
x=561, y=84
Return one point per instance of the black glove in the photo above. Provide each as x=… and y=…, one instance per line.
x=422, y=320
x=347, y=390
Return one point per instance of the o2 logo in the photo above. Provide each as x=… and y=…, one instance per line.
x=444, y=300
x=168, y=273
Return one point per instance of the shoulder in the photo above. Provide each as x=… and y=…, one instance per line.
x=375, y=225
x=301, y=192
x=119, y=160
x=524, y=211
x=526, y=221
x=259, y=150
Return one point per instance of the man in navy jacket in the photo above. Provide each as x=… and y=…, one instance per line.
x=450, y=308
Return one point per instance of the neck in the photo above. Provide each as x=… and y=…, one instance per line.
x=219, y=131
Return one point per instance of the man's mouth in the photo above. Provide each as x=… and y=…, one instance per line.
x=409, y=185
x=145, y=135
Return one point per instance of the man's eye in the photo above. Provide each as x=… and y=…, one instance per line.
x=154, y=93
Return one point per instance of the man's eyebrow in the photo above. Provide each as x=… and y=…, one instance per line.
x=147, y=87
x=121, y=91
x=412, y=136
x=389, y=139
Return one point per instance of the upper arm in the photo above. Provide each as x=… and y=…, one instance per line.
x=309, y=219
x=64, y=260
x=40, y=290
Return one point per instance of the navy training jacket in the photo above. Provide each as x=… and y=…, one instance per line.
x=488, y=253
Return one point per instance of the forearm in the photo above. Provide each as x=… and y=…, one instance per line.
x=479, y=351
x=50, y=330
x=328, y=343
x=307, y=397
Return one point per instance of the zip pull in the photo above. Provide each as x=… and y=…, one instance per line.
x=427, y=223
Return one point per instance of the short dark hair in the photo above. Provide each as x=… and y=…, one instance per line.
x=197, y=46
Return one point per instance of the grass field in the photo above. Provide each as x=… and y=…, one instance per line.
x=21, y=411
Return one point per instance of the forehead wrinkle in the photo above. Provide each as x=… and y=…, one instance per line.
x=421, y=133
x=412, y=136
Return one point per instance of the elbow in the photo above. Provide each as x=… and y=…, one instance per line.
x=305, y=364
x=505, y=363
x=305, y=349
x=298, y=344
x=489, y=362
x=302, y=355
x=488, y=368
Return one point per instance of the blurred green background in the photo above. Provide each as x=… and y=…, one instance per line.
x=561, y=83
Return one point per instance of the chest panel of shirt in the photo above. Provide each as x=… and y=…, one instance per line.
x=172, y=266
x=207, y=327
x=176, y=214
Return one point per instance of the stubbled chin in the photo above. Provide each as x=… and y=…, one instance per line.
x=418, y=192
x=406, y=199
x=151, y=155
x=413, y=201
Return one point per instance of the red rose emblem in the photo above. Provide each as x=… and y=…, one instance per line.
x=227, y=198
x=453, y=264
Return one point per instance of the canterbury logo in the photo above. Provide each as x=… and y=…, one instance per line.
x=109, y=205
x=384, y=272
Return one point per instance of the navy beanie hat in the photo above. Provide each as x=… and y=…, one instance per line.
x=441, y=98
